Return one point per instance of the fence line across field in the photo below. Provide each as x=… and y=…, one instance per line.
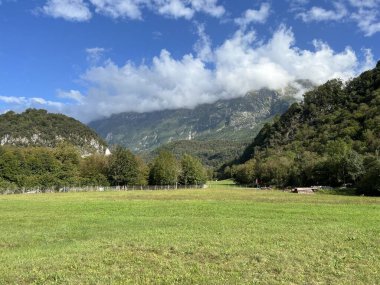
x=99, y=188
x=65, y=189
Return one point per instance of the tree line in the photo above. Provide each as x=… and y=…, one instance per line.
x=62, y=166
x=339, y=165
x=331, y=138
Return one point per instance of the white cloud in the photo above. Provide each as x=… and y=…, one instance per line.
x=94, y=54
x=174, y=8
x=156, y=35
x=368, y=20
x=369, y=61
x=319, y=14
x=13, y=100
x=209, y=7
x=254, y=16
x=298, y=2
x=364, y=3
x=71, y=10
x=79, y=10
x=366, y=13
x=118, y=8
x=168, y=83
x=30, y=102
x=242, y=63
x=203, y=47
x=74, y=95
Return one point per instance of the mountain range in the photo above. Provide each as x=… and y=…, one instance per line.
x=227, y=125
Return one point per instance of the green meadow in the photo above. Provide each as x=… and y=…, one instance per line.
x=219, y=235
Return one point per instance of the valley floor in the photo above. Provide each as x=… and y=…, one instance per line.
x=213, y=236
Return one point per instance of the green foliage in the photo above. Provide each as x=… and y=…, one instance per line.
x=212, y=153
x=143, y=172
x=165, y=169
x=245, y=173
x=124, y=168
x=6, y=185
x=370, y=182
x=274, y=170
x=94, y=170
x=10, y=163
x=40, y=128
x=68, y=158
x=26, y=168
x=39, y=167
x=192, y=171
x=324, y=140
x=343, y=164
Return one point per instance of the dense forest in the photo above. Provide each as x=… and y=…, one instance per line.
x=213, y=153
x=63, y=166
x=331, y=138
x=40, y=128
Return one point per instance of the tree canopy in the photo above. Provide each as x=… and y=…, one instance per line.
x=192, y=171
x=325, y=140
x=165, y=169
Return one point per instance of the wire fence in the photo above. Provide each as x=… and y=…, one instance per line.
x=37, y=190
x=237, y=186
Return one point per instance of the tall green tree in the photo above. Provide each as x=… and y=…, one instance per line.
x=10, y=166
x=123, y=167
x=245, y=173
x=94, y=170
x=164, y=170
x=192, y=171
x=343, y=165
x=68, y=158
x=275, y=170
x=143, y=172
x=370, y=182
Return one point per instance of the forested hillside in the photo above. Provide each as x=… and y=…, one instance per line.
x=40, y=128
x=213, y=154
x=331, y=138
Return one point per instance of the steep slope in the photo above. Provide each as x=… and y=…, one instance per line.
x=331, y=138
x=236, y=119
x=330, y=112
x=40, y=128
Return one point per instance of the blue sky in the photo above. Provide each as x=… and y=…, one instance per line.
x=92, y=58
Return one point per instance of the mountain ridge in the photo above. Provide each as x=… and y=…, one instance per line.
x=237, y=119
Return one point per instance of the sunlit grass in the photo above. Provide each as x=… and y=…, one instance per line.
x=214, y=236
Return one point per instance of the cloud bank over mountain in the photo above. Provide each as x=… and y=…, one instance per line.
x=242, y=63
x=245, y=60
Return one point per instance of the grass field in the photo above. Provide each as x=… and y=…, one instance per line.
x=214, y=236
